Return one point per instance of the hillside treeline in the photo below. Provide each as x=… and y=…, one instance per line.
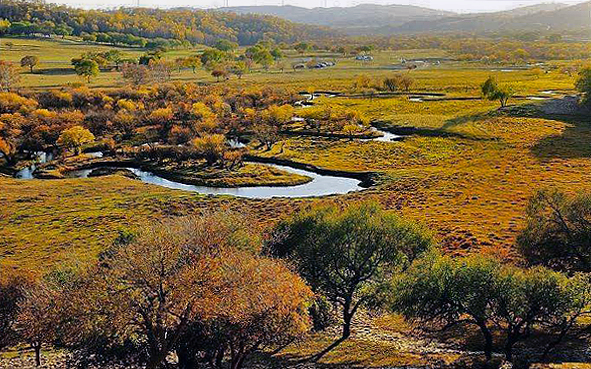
x=194, y=26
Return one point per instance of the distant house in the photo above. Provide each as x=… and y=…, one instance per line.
x=364, y=57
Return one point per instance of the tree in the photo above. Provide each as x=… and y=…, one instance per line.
x=29, y=61
x=302, y=47
x=443, y=292
x=63, y=30
x=191, y=285
x=558, y=231
x=153, y=287
x=211, y=147
x=226, y=45
x=440, y=290
x=9, y=76
x=492, y=91
x=136, y=74
x=38, y=317
x=267, y=307
x=583, y=84
x=219, y=73
x=212, y=56
x=74, y=137
x=346, y=254
x=239, y=69
x=87, y=68
x=13, y=287
x=192, y=62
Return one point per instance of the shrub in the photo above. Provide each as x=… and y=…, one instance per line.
x=481, y=291
x=211, y=147
x=11, y=103
x=73, y=138
x=9, y=76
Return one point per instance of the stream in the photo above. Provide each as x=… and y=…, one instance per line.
x=321, y=185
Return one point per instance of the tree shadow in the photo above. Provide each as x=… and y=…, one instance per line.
x=452, y=123
x=317, y=357
x=574, y=142
x=271, y=360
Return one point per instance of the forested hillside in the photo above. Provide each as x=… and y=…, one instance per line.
x=138, y=26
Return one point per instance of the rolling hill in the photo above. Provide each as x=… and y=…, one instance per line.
x=387, y=19
x=359, y=19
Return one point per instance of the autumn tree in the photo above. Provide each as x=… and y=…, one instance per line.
x=153, y=287
x=29, y=61
x=13, y=287
x=192, y=62
x=346, y=253
x=136, y=74
x=210, y=146
x=38, y=317
x=125, y=122
x=154, y=290
x=9, y=76
x=266, y=306
x=219, y=73
x=74, y=137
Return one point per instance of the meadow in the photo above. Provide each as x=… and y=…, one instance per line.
x=466, y=170
x=471, y=185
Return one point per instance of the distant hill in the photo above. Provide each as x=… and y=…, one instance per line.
x=143, y=26
x=388, y=19
x=352, y=20
x=541, y=17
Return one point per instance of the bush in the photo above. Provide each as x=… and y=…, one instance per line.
x=483, y=292
x=11, y=103
x=558, y=231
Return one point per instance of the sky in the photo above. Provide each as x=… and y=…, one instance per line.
x=462, y=6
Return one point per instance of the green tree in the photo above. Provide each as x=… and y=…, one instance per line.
x=583, y=84
x=302, y=47
x=212, y=56
x=492, y=91
x=346, y=254
x=87, y=68
x=441, y=291
x=226, y=45
x=558, y=231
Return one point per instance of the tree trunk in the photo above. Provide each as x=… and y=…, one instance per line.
x=509, y=348
x=186, y=358
x=488, y=341
x=37, y=348
x=347, y=317
x=219, y=359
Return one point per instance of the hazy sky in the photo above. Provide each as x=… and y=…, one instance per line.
x=455, y=5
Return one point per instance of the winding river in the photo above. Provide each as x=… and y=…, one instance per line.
x=321, y=185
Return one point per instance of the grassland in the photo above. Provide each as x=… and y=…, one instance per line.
x=470, y=183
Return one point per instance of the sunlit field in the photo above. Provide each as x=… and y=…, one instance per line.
x=459, y=166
